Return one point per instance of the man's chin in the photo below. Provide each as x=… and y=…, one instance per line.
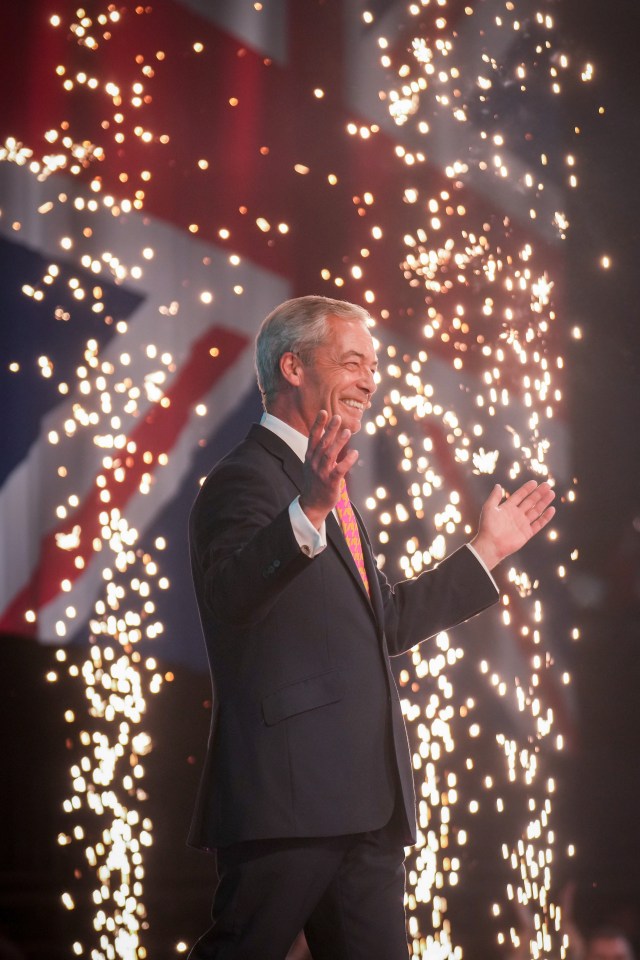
x=352, y=423
x=351, y=419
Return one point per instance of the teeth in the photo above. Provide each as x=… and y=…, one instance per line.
x=354, y=403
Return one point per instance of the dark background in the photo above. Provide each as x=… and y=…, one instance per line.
x=600, y=779
x=604, y=399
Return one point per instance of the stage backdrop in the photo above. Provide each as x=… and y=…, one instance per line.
x=171, y=172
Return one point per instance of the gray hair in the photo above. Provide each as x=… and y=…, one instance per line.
x=296, y=326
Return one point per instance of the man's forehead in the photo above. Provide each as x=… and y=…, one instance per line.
x=351, y=336
x=364, y=351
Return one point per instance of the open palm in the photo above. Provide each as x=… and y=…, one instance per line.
x=507, y=524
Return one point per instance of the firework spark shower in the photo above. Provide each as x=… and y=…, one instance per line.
x=182, y=171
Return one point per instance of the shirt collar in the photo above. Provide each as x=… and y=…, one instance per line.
x=292, y=437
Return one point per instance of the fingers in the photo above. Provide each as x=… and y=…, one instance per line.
x=494, y=498
x=507, y=526
x=326, y=463
x=326, y=441
x=538, y=501
x=536, y=505
x=532, y=501
x=532, y=497
x=322, y=433
x=317, y=430
x=521, y=494
x=347, y=462
x=329, y=449
x=542, y=520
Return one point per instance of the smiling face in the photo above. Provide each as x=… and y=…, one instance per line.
x=338, y=377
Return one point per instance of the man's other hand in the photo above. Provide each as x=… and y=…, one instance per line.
x=507, y=524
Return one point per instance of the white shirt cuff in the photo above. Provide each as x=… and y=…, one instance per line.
x=485, y=567
x=311, y=541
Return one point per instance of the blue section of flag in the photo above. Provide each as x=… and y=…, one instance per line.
x=29, y=330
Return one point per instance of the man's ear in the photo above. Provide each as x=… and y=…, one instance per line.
x=291, y=368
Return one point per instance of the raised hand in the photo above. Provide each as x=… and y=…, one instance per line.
x=506, y=525
x=325, y=465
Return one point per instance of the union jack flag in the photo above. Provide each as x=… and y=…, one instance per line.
x=230, y=123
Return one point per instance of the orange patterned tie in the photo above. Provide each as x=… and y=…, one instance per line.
x=350, y=530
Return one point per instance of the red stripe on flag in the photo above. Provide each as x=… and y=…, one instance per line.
x=157, y=433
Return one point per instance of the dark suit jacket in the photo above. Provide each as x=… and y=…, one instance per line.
x=307, y=736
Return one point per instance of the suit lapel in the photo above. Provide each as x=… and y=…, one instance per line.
x=371, y=567
x=336, y=536
x=291, y=464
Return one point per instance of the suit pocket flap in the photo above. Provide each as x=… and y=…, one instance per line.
x=301, y=696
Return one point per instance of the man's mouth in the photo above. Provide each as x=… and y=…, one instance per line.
x=356, y=404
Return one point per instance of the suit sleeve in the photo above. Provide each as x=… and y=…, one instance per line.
x=454, y=591
x=243, y=549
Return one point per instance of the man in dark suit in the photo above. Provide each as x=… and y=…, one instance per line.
x=307, y=792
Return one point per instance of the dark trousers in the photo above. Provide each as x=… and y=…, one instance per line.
x=347, y=893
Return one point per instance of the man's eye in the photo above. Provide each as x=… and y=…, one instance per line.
x=351, y=365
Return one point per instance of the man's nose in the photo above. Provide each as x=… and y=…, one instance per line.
x=368, y=382
x=374, y=385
